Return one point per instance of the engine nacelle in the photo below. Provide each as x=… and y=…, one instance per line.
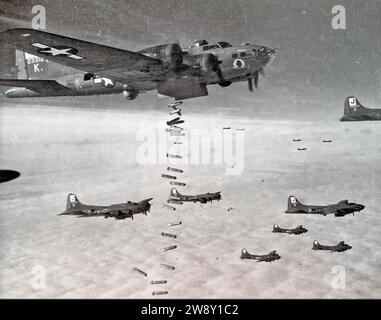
x=208, y=62
x=130, y=94
x=170, y=54
x=21, y=93
x=183, y=88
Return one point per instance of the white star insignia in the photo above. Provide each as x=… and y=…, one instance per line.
x=56, y=52
x=106, y=82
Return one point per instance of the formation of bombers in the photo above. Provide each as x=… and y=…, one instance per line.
x=294, y=206
x=176, y=72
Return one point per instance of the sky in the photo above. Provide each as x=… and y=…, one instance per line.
x=315, y=64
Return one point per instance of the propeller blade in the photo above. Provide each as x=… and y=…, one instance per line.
x=250, y=84
x=256, y=77
x=219, y=74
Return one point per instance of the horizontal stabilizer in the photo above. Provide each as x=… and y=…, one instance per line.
x=48, y=87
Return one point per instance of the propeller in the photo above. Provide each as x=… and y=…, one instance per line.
x=250, y=84
x=221, y=80
x=254, y=79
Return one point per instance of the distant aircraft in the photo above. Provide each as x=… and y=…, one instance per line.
x=203, y=198
x=355, y=111
x=167, y=68
x=117, y=211
x=297, y=230
x=340, y=247
x=8, y=175
x=271, y=256
x=339, y=209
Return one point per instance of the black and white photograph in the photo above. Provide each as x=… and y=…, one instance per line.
x=188, y=149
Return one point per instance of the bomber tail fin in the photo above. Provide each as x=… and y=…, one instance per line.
x=315, y=245
x=72, y=201
x=175, y=193
x=244, y=254
x=292, y=202
x=36, y=68
x=351, y=106
x=72, y=204
x=31, y=67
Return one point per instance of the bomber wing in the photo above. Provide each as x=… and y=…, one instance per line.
x=120, y=65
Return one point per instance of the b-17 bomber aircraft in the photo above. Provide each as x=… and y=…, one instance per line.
x=340, y=247
x=271, y=256
x=297, y=230
x=168, y=68
x=355, y=111
x=202, y=198
x=118, y=211
x=339, y=209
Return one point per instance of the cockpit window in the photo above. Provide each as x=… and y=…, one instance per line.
x=199, y=43
x=211, y=47
x=224, y=44
x=262, y=50
x=214, y=46
x=88, y=76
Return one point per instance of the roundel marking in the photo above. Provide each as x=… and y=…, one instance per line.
x=238, y=64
